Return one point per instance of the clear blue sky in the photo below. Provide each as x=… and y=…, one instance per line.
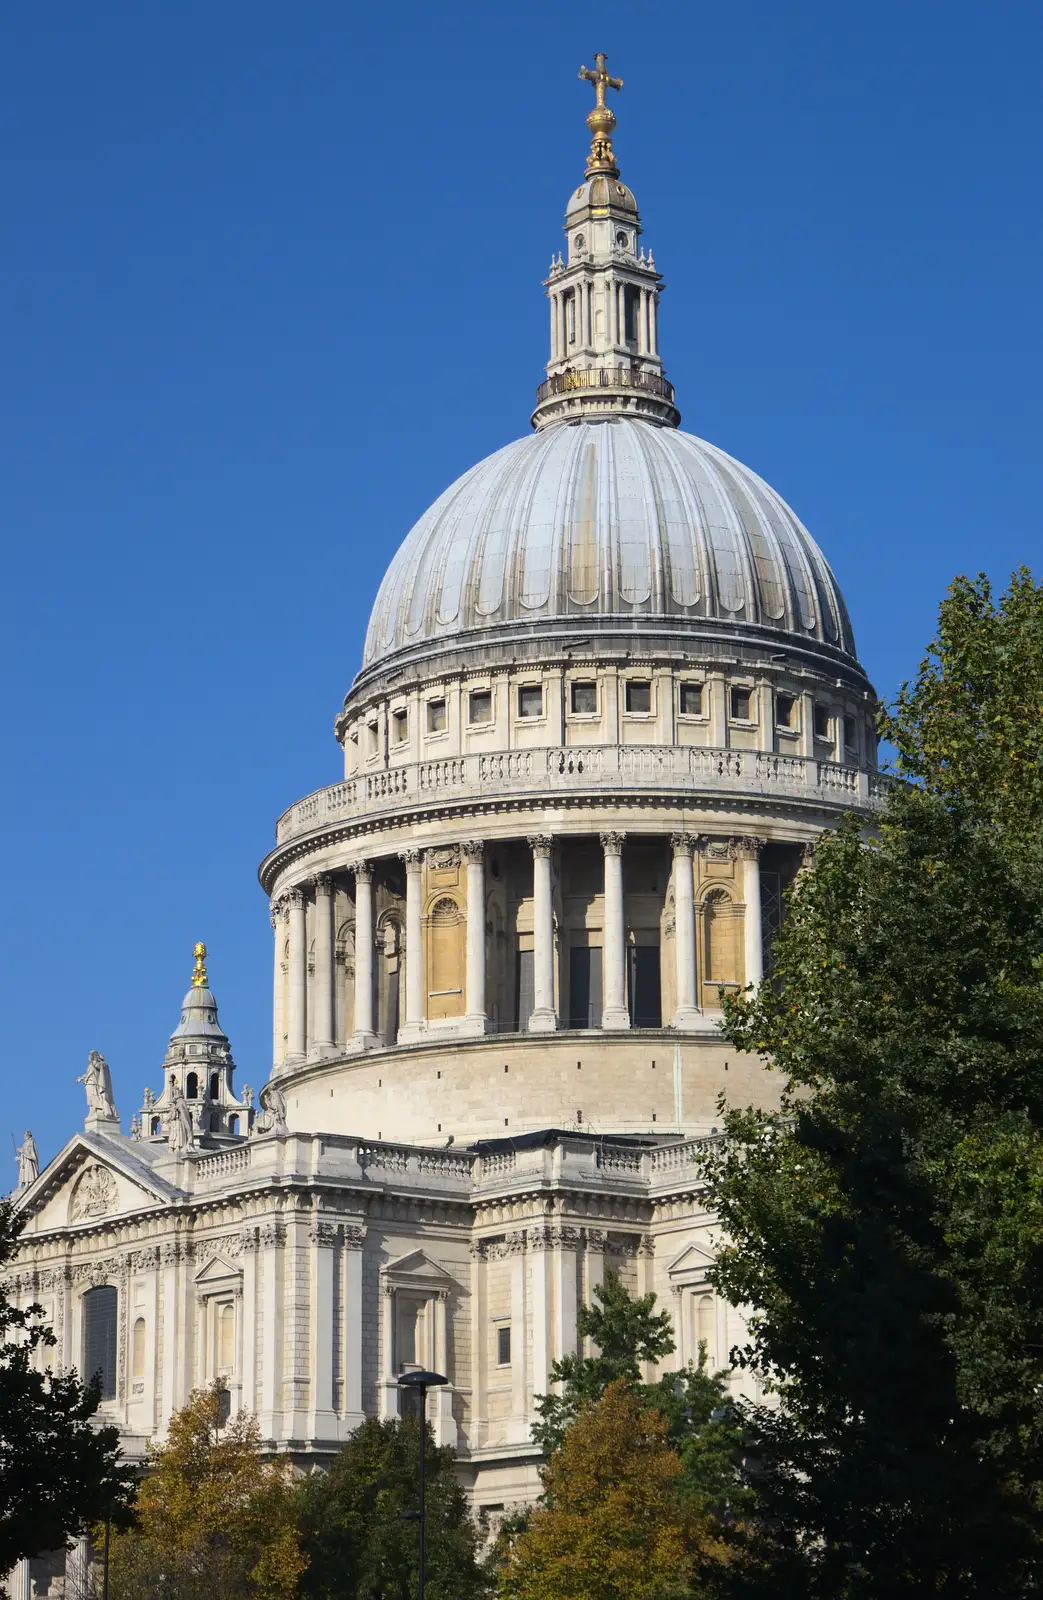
x=271, y=279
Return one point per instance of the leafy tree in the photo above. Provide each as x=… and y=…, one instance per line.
x=214, y=1520
x=887, y=1226
x=616, y=1524
x=58, y=1472
x=358, y=1522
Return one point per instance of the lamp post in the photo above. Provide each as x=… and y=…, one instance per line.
x=421, y=1382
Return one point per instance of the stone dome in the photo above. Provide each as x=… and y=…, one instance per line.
x=607, y=519
x=601, y=191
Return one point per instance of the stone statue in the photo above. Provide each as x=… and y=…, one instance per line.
x=97, y=1081
x=28, y=1161
x=248, y=1096
x=273, y=1111
x=179, y=1123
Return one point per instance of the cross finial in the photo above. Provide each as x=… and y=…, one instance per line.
x=601, y=120
x=199, y=978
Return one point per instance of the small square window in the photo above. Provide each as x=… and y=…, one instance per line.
x=741, y=705
x=785, y=711
x=691, y=700
x=530, y=700
x=639, y=697
x=850, y=736
x=436, y=716
x=400, y=726
x=585, y=698
x=822, y=722
x=503, y=1347
x=371, y=738
x=480, y=706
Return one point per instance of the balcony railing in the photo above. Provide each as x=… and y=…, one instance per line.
x=685, y=770
x=605, y=378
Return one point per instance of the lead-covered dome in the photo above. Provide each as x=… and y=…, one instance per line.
x=614, y=518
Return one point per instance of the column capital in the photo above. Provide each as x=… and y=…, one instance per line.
x=612, y=843
x=295, y=900
x=807, y=855
x=473, y=849
x=278, y=909
x=412, y=859
x=748, y=847
x=363, y=871
x=682, y=844
x=324, y=883
x=541, y=844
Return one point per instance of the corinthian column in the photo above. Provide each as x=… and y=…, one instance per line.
x=413, y=1024
x=320, y=1014
x=297, y=997
x=277, y=913
x=544, y=1018
x=686, y=1012
x=364, y=1035
x=749, y=853
x=476, y=1020
x=615, y=1014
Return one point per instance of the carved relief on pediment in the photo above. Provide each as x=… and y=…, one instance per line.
x=95, y=1194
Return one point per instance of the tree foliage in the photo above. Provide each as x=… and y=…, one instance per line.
x=59, y=1472
x=887, y=1226
x=358, y=1523
x=616, y=1524
x=214, y=1520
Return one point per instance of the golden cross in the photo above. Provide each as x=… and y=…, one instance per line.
x=600, y=78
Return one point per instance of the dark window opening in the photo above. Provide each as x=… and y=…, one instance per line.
x=785, y=710
x=215, y=1086
x=585, y=988
x=631, y=312
x=741, y=705
x=400, y=725
x=435, y=716
x=585, y=698
x=99, y=1337
x=849, y=732
x=822, y=722
x=224, y=1406
x=645, y=996
x=639, y=697
x=481, y=706
x=233, y=1124
x=154, y=1126
x=503, y=1347
x=530, y=700
x=691, y=699
x=524, y=990
x=192, y=1087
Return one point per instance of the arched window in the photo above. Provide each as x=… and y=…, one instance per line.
x=226, y=1338
x=215, y=1086
x=154, y=1126
x=445, y=997
x=137, y=1349
x=720, y=926
x=233, y=1124
x=706, y=1327
x=191, y=1087
x=100, y=1307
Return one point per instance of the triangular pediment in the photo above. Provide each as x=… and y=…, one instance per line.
x=692, y=1262
x=417, y=1267
x=94, y=1178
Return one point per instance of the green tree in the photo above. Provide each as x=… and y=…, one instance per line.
x=59, y=1472
x=214, y=1520
x=886, y=1228
x=616, y=1524
x=358, y=1524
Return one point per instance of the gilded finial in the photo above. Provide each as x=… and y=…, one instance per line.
x=601, y=120
x=199, y=977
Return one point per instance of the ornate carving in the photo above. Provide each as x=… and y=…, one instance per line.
x=95, y=1194
x=682, y=844
x=748, y=848
x=295, y=900
x=412, y=859
x=716, y=849
x=144, y=1260
x=541, y=844
x=271, y=1233
x=278, y=910
x=354, y=1236
x=363, y=871
x=323, y=1233
x=448, y=856
x=324, y=883
x=612, y=843
x=474, y=850
x=509, y=1244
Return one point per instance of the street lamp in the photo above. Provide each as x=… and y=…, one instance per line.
x=421, y=1382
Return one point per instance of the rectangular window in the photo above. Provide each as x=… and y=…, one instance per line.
x=503, y=1347
x=785, y=710
x=524, y=989
x=585, y=699
x=436, y=716
x=400, y=726
x=530, y=700
x=570, y=317
x=585, y=991
x=644, y=986
x=639, y=697
x=480, y=706
x=822, y=722
x=372, y=738
x=850, y=739
x=631, y=311
x=99, y=1337
x=691, y=700
x=741, y=705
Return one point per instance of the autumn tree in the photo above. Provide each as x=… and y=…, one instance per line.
x=358, y=1520
x=886, y=1228
x=59, y=1472
x=214, y=1520
x=616, y=1524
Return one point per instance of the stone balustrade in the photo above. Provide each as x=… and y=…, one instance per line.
x=691, y=770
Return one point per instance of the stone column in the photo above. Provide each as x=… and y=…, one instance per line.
x=388, y=1395
x=354, y=1241
x=544, y=1018
x=686, y=1012
x=476, y=1019
x=653, y=325
x=364, y=1035
x=749, y=853
x=277, y=913
x=413, y=1023
x=297, y=997
x=615, y=1014
x=322, y=1236
x=322, y=1030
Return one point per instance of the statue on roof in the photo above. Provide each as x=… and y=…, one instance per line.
x=273, y=1111
x=28, y=1161
x=180, y=1135
x=97, y=1082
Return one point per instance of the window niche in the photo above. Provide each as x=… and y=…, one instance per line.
x=638, y=697
x=690, y=699
x=583, y=697
x=436, y=721
x=100, y=1334
x=530, y=700
x=479, y=707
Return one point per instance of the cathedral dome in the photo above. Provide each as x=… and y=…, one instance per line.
x=600, y=519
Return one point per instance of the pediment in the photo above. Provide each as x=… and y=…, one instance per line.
x=692, y=1262
x=92, y=1180
x=417, y=1268
x=218, y=1276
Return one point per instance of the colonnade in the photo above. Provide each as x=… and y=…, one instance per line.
x=309, y=1025
x=582, y=294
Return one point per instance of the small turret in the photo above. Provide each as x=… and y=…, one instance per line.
x=199, y=1064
